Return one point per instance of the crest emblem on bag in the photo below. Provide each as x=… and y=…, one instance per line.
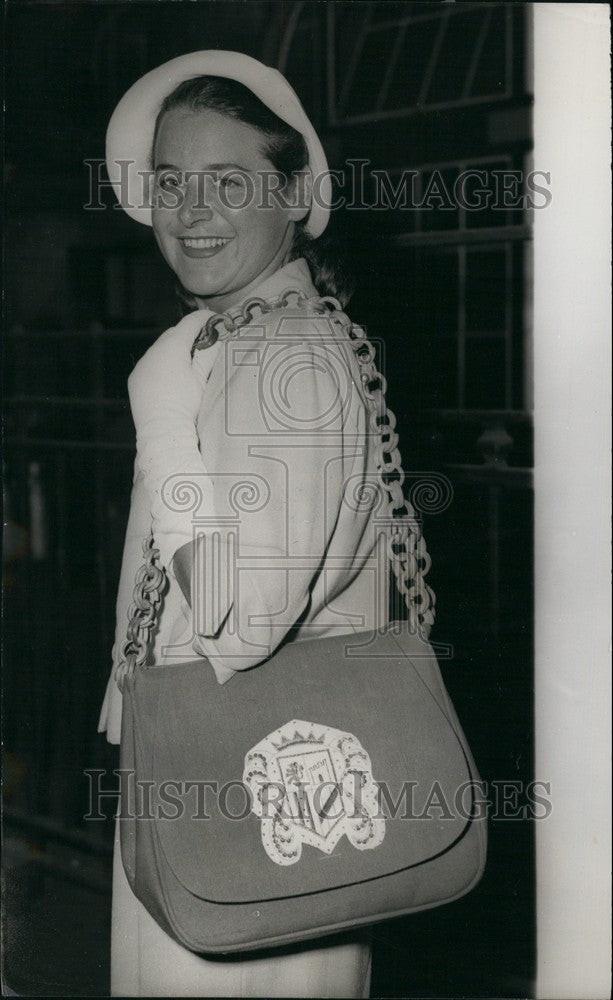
x=310, y=784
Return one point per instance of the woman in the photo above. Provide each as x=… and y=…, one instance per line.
x=238, y=195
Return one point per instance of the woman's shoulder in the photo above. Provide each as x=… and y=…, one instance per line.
x=170, y=355
x=296, y=368
x=188, y=328
x=181, y=335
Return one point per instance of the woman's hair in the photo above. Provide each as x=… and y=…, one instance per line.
x=286, y=149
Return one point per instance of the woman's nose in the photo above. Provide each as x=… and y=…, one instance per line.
x=194, y=206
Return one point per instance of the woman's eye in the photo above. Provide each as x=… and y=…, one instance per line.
x=168, y=182
x=231, y=180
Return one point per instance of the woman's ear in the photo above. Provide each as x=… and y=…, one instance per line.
x=300, y=195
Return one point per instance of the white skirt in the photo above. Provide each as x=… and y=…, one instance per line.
x=146, y=962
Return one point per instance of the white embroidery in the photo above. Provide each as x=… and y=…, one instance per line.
x=310, y=784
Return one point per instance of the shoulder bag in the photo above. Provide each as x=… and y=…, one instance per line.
x=329, y=787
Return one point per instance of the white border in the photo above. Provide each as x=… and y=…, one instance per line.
x=572, y=353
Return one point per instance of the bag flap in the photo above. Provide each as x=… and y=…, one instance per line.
x=314, y=726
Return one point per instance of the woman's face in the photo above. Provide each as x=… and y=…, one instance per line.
x=211, y=226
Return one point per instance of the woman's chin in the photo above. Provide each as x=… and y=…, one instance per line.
x=201, y=289
x=203, y=296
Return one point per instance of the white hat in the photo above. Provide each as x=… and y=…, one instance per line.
x=129, y=136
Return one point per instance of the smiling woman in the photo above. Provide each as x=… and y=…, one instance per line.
x=268, y=494
x=274, y=437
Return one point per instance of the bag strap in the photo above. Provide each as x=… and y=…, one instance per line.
x=406, y=548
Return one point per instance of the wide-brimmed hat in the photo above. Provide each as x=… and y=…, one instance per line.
x=129, y=137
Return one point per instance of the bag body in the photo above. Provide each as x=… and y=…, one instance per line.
x=329, y=787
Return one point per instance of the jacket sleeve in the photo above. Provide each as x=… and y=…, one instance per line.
x=250, y=583
x=165, y=390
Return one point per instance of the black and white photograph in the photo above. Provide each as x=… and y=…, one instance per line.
x=306, y=402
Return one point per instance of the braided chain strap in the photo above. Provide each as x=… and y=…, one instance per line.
x=222, y=326
x=406, y=547
x=147, y=594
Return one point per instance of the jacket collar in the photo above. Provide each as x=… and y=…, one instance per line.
x=296, y=275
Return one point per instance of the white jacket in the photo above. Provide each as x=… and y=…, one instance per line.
x=286, y=508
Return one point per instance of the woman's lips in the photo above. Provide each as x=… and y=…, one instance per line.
x=204, y=246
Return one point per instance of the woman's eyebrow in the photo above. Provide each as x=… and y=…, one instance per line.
x=210, y=167
x=224, y=166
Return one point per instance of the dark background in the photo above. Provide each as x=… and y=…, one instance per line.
x=405, y=85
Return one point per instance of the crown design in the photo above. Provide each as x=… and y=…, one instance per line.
x=288, y=741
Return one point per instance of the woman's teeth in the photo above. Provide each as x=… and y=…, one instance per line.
x=207, y=242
